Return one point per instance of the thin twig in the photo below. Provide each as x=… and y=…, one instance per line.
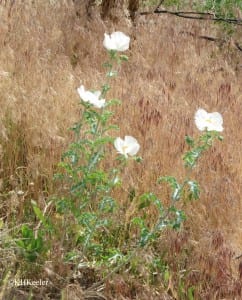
x=158, y=6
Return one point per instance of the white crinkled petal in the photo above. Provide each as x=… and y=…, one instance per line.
x=98, y=103
x=97, y=94
x=108, y=43
x=200, y=119
x=82, y=93
x=91, y=97
x=130, y=140
x=132, y=145
x=133, y=149
x=217, y=121
x=121, y=41
x=118, y=144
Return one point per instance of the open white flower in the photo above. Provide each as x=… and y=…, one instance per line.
x=128, y=146
x=116, y=41
x=209, y=121
x=91, y=97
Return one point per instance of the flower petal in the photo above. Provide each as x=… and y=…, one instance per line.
x=209, y=121
x=91, y=97
x=133, y=149
x=121, y=40
x=130, y=140
x=118, y=143
x=98, y=103
x=200, y=116
x=108, y=43
x=131, y=144
x=117, y=41
x=82, y=93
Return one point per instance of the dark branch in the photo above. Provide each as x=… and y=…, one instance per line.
x=194, y=15
x=238, y=46
x=211, y=38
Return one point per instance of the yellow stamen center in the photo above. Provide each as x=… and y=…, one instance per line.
x=124, y=148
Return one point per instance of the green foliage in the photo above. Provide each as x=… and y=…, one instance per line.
x=31, y=245
x=222, y=8
x=175, y=186
x=175, y=3
x=190, y=293
x=204, y=142
x=158, y=265
x=46, y=222
x=194, y=190
x=148, y=3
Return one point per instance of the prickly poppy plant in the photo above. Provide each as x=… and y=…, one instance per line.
x=90, y=219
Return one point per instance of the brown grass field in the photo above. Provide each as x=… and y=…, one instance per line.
x=48, y=48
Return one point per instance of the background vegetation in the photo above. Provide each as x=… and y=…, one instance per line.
x=49, y=48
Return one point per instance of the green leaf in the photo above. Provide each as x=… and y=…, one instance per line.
x=107, y=65
x=179, y=217
x=190, y=158
x=145, y=236
x=105, y=88
x=115, y=256
x=113, y=102
x=20, y=243
x=27, y=232
x=194, y=189
x=166, y=276
x=190, y=293
x=176, y=187
x=144, y=202
x=138, y=159
x=107, y=204
x=138, y=221
x=105, y=117
x=112, y=54
x=102, y=141
x=88, y=220
x=123, y=57
x=162, y=224
x=189, y=140
x=39, y=214
x=169, y=179
x=111, y=127
x=146, y=199
x=159, y=205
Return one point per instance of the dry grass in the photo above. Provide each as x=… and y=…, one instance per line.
x=49, y=47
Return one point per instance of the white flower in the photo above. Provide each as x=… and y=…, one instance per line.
x=209, y=121
x=127, y=146
x=116, y=41
x=91, y=97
